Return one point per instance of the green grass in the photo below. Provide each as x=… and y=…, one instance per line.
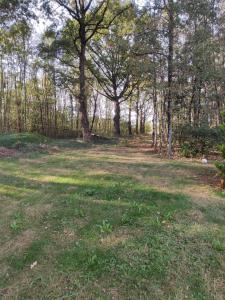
x=105, y=225
x=15, y=140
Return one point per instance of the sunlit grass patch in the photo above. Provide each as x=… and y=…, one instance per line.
x=99, y=226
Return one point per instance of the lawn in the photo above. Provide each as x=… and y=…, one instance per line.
x=111, y=221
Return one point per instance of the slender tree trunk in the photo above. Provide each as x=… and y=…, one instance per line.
x=219, y=116
x=82, y=83
x=137, y=111
x=25, y=93
x=78, y=121
x=72, y=112
x=94, y=112
x=142, y=119
x=55, y=101
x=170, y=76
x=129, y=120
x=18, y=105
x=1, y=95
x=116, y=119
x=42, y=119
x=155, y=114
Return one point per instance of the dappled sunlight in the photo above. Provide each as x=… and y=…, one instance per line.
x=116, y=203
x=203, y=229
x=90, y=213
x=15, y=192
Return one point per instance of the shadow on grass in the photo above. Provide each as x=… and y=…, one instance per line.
x=173, y=173
x=97, y=206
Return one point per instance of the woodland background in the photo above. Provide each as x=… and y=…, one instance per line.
x=113, y=68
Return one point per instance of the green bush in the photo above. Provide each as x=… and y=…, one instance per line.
x=221, y=165
x=187, y=150
x=195, y=141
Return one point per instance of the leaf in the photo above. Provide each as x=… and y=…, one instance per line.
x=33, y=265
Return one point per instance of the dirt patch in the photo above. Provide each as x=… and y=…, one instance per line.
x=5, y=152
x=211, y=179
x=117, y=238
x=38, y=210
x=66, y=237
x=203, y=196
x=19, y=243
x=195, y=215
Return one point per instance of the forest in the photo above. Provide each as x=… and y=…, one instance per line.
x=113, y=68
x=112, y=149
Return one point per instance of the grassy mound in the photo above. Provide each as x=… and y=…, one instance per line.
x=21, y=140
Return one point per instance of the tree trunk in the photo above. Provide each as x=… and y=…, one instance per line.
x=219, y=116
x=137, y=111
x=94, y=112
x=82, y=83
x=142, y=119
x=1, y=94
x=170, y=75
x=71, y=112
x=155, y=113
x=129, y=121
x=116, y=118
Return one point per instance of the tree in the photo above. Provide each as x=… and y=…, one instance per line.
x=115, y=67
x=89, y=17
x=170, y=8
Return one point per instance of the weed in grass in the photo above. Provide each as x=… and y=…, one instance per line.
x=17, y=224
x=105, y=227
x=90, y=261
x=127, y=219
x=219, y=245
x=79, y=212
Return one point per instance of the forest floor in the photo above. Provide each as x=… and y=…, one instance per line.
x=109, y=222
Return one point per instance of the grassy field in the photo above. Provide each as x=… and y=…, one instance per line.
x=108, y=222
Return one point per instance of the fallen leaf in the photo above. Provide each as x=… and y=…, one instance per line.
x=33, y=265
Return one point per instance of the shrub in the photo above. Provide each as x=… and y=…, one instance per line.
x=221, y=165
x=201, y=140
x=187, y=150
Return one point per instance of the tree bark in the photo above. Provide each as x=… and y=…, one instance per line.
x=82, y=83
x=94, y=112
x=170, y=75
x=137, y=112
x=129, y=121
x=116, y=119
x=155, y=113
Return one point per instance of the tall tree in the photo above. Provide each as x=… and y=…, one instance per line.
x=89, y=16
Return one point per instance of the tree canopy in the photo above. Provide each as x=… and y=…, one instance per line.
x=112, y=67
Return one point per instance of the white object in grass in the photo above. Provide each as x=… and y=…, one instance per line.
x=204, y=161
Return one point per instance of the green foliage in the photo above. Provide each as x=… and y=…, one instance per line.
x=17, y=223
x=20, y=140
x=187, y=150
x=221, y=165
x=218, y=245
x=198, y=140
x=105, y=227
